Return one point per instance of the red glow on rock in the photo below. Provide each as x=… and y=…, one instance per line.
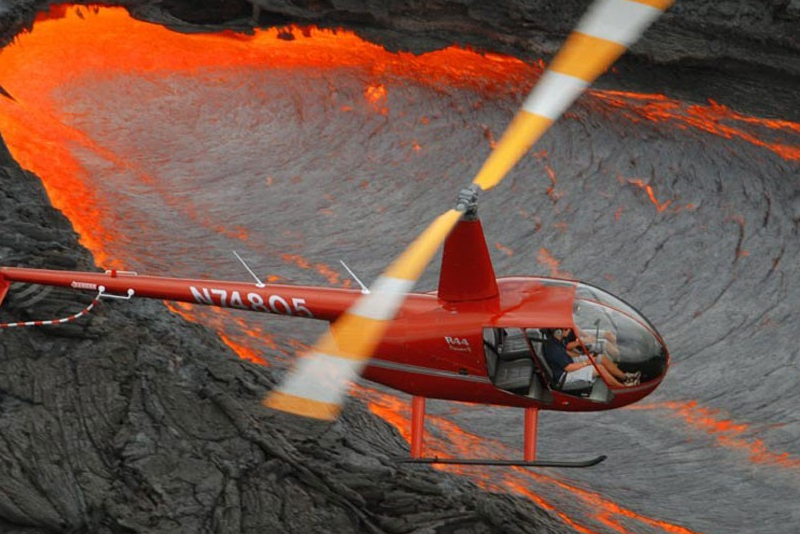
x=508, y=251
x=64, y=46
x=651, y=194
x=727, y=433
x=456, y=442
x=487, y=133
x=546, y=258
x=551, y=191
x=55, y=12
x=333, y=277
x=376, y=96
x=713, y=118
x=739, y=220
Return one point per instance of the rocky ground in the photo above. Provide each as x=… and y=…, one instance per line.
x=136, y=421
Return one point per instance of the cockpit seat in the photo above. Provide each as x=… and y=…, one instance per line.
x=514, y=375
x=514, y=347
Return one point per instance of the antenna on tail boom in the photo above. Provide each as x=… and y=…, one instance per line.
x=259, y=283
x=364, y=289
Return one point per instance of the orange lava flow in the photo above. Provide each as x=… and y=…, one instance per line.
x=331, y=275
x=727, y=433
x=508, y=251
x=65, y=45
x=459, y=443
x=651, y=194
x=243, y=351
x=546, y=258
x=714, y=118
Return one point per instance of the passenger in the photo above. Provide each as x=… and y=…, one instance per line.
x=555, y=352
x=575, y=351
x=607, y=343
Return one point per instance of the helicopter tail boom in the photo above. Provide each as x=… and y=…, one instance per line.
x=300, y=301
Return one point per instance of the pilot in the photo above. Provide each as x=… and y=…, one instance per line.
x=555, y=351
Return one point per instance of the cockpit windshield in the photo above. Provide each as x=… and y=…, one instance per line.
x=607, y=325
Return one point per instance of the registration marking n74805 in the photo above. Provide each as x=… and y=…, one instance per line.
x=251, y=301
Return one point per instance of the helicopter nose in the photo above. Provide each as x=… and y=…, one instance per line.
x=616, y=329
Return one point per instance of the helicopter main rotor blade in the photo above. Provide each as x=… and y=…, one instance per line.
x=316, y=387
x=607, y=29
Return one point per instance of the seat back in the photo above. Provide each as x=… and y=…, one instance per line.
x=515, y=375
x=537, y=344
x=514, y=347
x=492, y=341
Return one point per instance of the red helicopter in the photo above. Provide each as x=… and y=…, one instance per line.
x=478, y=338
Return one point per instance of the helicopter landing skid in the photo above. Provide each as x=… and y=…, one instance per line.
x=529, y=456
x=504, y=463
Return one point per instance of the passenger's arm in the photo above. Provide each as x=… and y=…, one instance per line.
x=575, y=366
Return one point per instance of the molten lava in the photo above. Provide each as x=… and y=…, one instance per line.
x=62, y=47
x=546, y=258
x=651, y=194
x=714, y=118
x=725, y=432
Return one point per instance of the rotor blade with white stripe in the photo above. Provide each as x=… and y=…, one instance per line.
x=317, y=385
x=606, y=30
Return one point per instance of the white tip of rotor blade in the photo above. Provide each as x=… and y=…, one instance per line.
x=619, y=21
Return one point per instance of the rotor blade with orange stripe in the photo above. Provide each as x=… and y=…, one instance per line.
x=607, y=29
x=317, y=385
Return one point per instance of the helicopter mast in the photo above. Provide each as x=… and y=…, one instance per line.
x=467, y=273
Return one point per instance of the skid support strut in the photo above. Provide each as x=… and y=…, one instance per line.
x=531, y=427
x=3, y=288
x=417, y=425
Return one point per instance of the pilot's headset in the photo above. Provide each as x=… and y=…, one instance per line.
x=558, y=332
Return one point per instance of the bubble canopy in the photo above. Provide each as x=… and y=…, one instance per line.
x=607, y=324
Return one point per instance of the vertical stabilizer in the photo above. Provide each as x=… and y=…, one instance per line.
x=467, y=272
